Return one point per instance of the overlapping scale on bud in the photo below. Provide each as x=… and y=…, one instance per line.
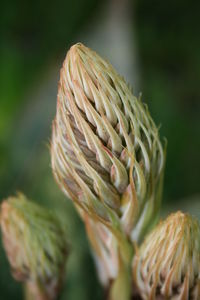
x=106, y=153
x=167, y=265
x=35, y=245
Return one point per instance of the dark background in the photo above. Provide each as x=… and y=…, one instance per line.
x=155, y=44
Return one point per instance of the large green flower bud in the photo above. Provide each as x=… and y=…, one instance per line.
x=35, y=245
x=167, y=265
x=106, y=153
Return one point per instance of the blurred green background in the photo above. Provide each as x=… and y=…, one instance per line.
x=155, y=44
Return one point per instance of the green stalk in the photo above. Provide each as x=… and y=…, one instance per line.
x=121, y=286
x=34, y=291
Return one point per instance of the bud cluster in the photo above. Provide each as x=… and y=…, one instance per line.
x=108, y=158
x=106, y=152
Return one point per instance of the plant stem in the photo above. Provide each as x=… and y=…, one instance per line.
x=34, y=291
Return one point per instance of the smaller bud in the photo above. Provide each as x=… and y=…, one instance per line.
x=35, y=245
x=167, y=265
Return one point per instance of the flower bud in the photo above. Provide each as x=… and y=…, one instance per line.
x=35, y=245
x=167, y=265
x=106, y=152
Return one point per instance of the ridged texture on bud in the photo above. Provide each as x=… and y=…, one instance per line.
x=167, y=265
x=106, y=152
x=35, y=245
